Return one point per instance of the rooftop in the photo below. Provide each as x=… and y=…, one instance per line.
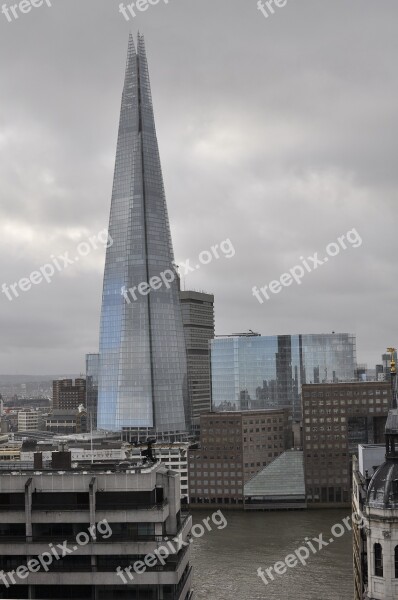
x=284, y=477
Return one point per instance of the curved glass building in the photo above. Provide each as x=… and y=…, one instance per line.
x=256, y=372
x=142, y=363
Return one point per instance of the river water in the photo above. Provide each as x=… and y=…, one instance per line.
x=225, y=561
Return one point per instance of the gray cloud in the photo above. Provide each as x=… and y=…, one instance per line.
x=277, y=133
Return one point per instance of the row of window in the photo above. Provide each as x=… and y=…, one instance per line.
x=378, y=561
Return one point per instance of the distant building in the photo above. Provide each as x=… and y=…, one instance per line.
x=258, y=372
x=30, y=420
x=68, y=395
x=67, y=422
x=198, y=320
x=235, y=446
x=92, y=374
x=336, y=418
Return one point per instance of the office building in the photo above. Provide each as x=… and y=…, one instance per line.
x=68, y=395
x=67, y=421
x=173, y=456
x=114, y=522
x=29, y=420
x=143, y=388
x=92, y=372
x=235, y=446
x=198, y=320
x=256, y=372
x=336, y=418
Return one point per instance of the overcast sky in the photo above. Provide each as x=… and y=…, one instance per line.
x=277, y=133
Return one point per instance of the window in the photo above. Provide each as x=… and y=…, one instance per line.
x=396, y=562
x=378, y=552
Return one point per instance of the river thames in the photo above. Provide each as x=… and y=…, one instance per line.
x=226, y=561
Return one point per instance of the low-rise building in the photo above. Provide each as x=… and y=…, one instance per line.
x=67, y=422
x=235, y=446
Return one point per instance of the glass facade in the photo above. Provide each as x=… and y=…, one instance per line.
x=143, y=371
x=255, y=372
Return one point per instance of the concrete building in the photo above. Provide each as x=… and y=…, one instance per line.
x=198, y=321
x=173, y=456
x=235, y=446
x=68, y=395
x=336, y=418
x=29, y=420
x=115, y=524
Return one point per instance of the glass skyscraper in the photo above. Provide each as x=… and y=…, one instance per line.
x=143, y=370
x=255, y=372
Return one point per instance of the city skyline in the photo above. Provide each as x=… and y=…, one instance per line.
x=306, y=178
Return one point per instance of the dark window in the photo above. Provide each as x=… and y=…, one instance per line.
x=16, y=501
x=378, y=551
x=60, y=501
x=51, y=592
x=58, y=531
x=12, y=530
x=396, y=562
x=125, y=500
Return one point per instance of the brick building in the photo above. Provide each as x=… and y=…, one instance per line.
x=336, y=418
x=235, y=446
x=68, y=395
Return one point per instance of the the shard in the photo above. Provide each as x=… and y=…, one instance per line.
x=143, y=370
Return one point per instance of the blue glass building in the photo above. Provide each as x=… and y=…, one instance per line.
x=255, y=372
x=143, y=370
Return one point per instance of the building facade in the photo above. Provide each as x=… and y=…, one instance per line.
x=30, y=420
x=256, y=372
x=235, y=446
x=198, y=319
x=92, y=374
x=336, y=418
x=69, y=395
x=375, y=534
x=115, y=524
x=173, y=456
x=67, y=422
x=143, y=388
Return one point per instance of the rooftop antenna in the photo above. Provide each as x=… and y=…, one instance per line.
x=393, y=371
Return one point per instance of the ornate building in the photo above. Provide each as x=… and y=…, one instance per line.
x=376, y=542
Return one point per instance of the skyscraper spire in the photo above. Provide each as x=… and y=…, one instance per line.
x=143, y=379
